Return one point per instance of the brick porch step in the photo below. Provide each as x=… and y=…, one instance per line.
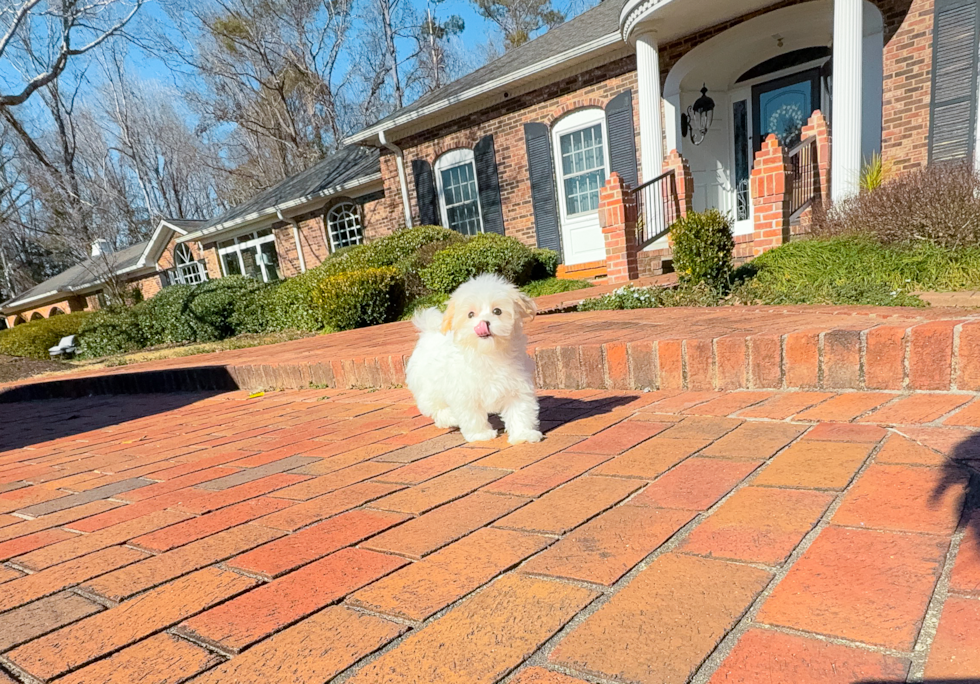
x=696, y=349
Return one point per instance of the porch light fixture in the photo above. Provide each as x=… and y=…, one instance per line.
x=698, y=119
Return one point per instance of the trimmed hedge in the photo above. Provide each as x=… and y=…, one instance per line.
x=111, y=332
x=360, y=298
x=702, y=248
x=484, y=253
x=35, y=338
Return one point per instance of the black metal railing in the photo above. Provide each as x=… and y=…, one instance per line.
x=802, y=175
x=657, y=207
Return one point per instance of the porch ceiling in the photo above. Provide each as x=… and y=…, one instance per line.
x=671, y=19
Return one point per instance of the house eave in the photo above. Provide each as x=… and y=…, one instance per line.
x=535, y=75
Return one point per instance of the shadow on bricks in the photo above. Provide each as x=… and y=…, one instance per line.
x=27, y=422
x=964, y=466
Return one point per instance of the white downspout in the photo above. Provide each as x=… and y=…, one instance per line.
x=402, y=178
x=299, y=245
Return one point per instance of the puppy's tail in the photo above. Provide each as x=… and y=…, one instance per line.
x=427, y=320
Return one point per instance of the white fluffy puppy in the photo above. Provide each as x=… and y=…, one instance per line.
x=472, y=361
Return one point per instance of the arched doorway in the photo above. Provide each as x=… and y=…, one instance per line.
x=36, y=316
x=765, y=75
x=55, y=311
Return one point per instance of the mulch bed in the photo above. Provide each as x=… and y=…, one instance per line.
x=19, y=367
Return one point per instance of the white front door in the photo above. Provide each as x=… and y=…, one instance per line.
x=581, y=168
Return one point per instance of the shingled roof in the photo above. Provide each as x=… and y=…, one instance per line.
x=332, y=174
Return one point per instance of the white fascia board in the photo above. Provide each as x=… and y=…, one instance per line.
x=273, y=210
x=535, y=71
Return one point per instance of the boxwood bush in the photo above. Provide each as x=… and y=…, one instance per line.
x=106, y=333
x=484, y=253
x=702, y=247
x=360, y=298
x=35, y=338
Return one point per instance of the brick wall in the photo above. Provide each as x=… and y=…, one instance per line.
x=67, y=305
x=593, y=88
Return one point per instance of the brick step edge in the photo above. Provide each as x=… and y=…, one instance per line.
x=933, y=356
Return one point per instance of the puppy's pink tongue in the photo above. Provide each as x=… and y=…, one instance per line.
x=482, y=329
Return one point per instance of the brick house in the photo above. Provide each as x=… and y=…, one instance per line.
x=147, y=266
x=297, y=223
x=756, y=107
x=759, y=108
x=523, y=145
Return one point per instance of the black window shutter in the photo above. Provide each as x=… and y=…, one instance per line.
x=622, y=142
x=953, y=115
x=425, y=193
x=540, y=168
x=489, y=185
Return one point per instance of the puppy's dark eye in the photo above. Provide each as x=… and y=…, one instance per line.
x=471, y=314
x=497, y=312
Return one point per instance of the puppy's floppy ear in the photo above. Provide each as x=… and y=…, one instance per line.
x=526, y=306
x=447, y=318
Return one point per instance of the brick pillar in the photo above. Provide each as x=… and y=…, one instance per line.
x=817, y=127
x=770, y=197
x=684, y=179
x=617, y=217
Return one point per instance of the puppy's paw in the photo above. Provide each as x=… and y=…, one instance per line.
x=444, y=418
x=525, y=436
x=484, y=436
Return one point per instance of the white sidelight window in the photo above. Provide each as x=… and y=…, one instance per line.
x=344, y=225
x=459, y=198
x=253, y=255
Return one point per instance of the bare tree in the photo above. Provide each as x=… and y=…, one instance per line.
x=40, y=38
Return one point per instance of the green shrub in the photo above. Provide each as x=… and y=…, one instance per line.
x=291, y=305
x=545, y=263
x=436, y=299
x=391, y=249
x=540, y=288
x=360, y=298
x=164, y=318
x=702, y=247
x=211, y=307
x=253, y=314
x=35, y=338
x=412, y=266
x=484, y=253
x=111, y=332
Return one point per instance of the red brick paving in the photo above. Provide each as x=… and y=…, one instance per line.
x=733, y=537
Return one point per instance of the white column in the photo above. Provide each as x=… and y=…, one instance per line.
x=651, y=124
x=846, y=114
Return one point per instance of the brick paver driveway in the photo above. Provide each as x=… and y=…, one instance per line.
x=661, y=537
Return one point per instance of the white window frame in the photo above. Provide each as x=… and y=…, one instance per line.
x=247, y=241
x=572, y=123
x=352, y=207
x=451, y=160
x=187, y=271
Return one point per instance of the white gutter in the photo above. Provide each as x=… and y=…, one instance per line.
x=271, y=211
x=534, y=69
x=299, y=245
x=402, y=179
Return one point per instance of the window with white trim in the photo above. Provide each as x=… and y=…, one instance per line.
x=253, y=255
x=344, y=225
x=459, y=197
x=581, y=160
x=187, y=270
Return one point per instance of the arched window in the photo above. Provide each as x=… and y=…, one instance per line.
x=459, y=197
x=183, y=255
x=55, y=312
x=186, y=270
x=36, y=316
x=344, y=225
